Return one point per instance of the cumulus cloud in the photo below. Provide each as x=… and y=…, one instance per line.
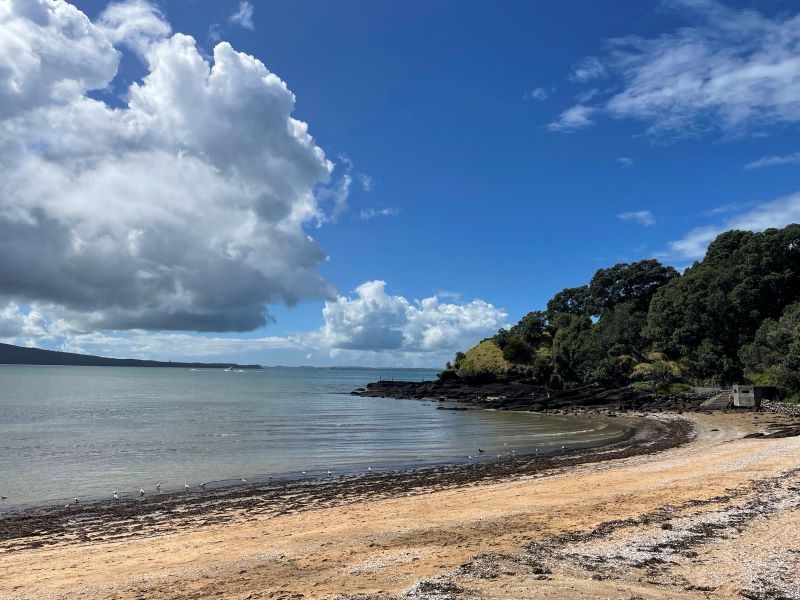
x=376, y=321
x=573, y=119
x=369, y=327
x=728, y=70
x=183, y=209
x=135, y=23
x=244, y=15
x=775, y=213
x=770, y=161
x=642, y=217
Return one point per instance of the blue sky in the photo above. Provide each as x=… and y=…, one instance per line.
x=515, y=148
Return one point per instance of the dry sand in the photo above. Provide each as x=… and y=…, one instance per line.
x=718, y=517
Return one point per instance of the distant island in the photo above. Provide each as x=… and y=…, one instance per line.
x=17, y=355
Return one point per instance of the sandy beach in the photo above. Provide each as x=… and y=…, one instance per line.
x=715, y=517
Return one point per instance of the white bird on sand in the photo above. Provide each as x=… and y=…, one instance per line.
x=77, y=501
x=141, y=492
x=158, y=487
x=469, y=457
x=186, y=487
x=115, y=495
x=243, y=479
x=303, y=472
x=368, y=469
x=330, y=473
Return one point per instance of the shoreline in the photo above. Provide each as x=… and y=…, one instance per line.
x=642, y=519
x=50, y=524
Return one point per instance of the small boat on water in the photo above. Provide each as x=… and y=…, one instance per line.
x=230, y=370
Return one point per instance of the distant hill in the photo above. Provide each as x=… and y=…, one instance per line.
x=17, y=355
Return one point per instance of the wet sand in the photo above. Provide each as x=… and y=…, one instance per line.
x=637, y=519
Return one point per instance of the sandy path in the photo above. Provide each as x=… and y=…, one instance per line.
x=671, y=525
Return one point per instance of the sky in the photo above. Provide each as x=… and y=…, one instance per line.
x=370, y=183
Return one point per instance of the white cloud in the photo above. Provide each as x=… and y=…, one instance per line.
x=135, y=23
x=625, y=162
x=642, y=217
x=588, y=69
x=369, y=328
x=367, y=182
x=539, y=93
x=376, y=321
x=769, y=161
x=370, y=213
x=183, y=209
x=244, y=15
x=572, y=119
x=776, y=213
x=729, y=70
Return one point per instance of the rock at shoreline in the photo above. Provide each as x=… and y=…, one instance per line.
x=523, y=395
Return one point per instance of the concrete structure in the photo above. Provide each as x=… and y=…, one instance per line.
x=743, y=396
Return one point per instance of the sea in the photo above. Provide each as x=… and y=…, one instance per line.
x=87, y=432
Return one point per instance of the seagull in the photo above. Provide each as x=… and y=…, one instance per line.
x=303, y=472
x=243, y=479
x=480, y=451
x=505, y=443
x=141, y=492
x=330, y=473
x=469, y=457
x=513, y=452
x=368, y=469
x=116, y=496
x=186, y=487
x=77, y=501
x=563, y=448
x=203, y=485
x=158, y=487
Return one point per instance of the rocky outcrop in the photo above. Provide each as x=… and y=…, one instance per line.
x=523, y=395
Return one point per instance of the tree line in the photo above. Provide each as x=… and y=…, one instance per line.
x=732, y=317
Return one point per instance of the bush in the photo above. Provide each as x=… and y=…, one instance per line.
x=484, y=361
x=517, y=351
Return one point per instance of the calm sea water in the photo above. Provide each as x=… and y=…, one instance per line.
x=86, y=431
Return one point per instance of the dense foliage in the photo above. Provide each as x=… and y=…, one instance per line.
x=733, y=316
